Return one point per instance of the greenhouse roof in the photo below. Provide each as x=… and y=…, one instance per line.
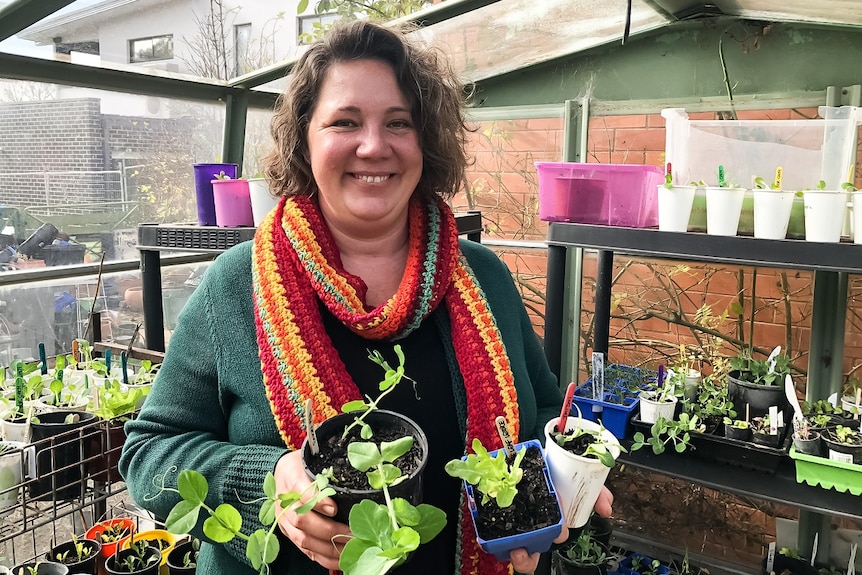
x=486, y=38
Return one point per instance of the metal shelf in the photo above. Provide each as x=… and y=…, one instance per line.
x=780, y=488
x=737, y=250
x=830, y=261
x=155, y=238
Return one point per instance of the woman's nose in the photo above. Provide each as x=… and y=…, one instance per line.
x=372, y=142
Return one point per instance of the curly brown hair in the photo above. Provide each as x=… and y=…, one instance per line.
x=437, y=101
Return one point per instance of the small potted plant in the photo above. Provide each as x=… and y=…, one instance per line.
x=805, y=438
x=758, y=383
x=639, y=564
x=512, y=499
x=580, y=455
x=183, y=560
x=772, y=207
x=764, y=433
x=583, y=556
x=139, y=557
x=111, y=533
x=40, y=568
x=79, y=555
x=844, y=444
x=161, y=539
x=666, y=431
x=674, y=204
x=739, y=429
x=660, y=402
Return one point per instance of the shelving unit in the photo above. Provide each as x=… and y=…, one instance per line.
x=831, y=264
x=156, y=238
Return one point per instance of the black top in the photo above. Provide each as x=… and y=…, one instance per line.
x=430, y=403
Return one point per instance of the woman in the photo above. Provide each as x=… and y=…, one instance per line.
x=361, y=254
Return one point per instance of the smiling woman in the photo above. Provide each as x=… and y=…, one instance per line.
x=360, y=256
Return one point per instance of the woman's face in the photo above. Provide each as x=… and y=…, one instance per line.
x=364, y=148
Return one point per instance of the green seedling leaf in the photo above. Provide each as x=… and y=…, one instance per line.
x=192, y=486
x=262, y=548
x=392, y=450
x=224, y=524
x=183, y=517
x=355, y=405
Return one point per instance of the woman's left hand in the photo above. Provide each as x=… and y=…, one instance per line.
x=523, y=562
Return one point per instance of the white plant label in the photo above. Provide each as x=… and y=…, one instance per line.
x=598, y=359
x=308, y=421
x=842, y=457
x=773, y=420
x=770, y=557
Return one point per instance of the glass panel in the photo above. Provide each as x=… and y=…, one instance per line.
x=512, y=34
x=92, y=164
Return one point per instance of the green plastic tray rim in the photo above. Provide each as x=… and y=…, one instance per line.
x=837, y=475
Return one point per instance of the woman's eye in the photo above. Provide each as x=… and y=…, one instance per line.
x=343, y=123
x=401, y=124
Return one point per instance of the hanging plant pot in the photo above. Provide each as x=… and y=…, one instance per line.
x=351, y=486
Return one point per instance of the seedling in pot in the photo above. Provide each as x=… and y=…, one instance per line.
x=81, y=551
x=587, y=443
x=664, y=431
x=392, y=378
x=492, y=475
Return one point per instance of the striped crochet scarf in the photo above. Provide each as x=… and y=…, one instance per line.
x=295, y=263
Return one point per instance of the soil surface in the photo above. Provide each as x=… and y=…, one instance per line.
x=333, y=453
x=534, y=506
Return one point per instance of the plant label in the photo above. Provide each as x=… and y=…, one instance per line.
x=598, y=359
x=770, y=557
x=505, y=436
x=773, y=420
x=308, y=420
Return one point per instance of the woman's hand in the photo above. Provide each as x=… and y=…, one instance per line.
x=314, y=533
x=523, y=562
x=604, y=503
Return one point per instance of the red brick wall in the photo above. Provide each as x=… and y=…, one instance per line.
x=503, y=185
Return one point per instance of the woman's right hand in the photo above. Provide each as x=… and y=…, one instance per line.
x=314, y=533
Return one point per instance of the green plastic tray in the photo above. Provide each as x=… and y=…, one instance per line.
x=826, y=473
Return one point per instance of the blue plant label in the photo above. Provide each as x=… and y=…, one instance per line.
x=598, y=359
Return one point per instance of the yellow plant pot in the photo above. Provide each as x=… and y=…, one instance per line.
x=152, y=535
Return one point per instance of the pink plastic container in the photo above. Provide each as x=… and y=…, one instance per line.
x=606, y=194
x=232, y=203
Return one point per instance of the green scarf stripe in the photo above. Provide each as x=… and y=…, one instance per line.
x=316, y=272
x=423, y=306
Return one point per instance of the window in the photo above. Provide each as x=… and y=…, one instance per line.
x=242, y=48
x=312, y=26
x=153, y=48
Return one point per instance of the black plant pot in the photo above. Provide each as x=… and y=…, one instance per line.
x=380, y=419
x=42, y=568
x=759, y=398
x=740, y=433
x=791, y=565
x=59, y=447
x=176, y=557
x=114, y=564
x=766, y=439
x=831, y=442
x=601, y=529
x=87, y=565
x=810, y=446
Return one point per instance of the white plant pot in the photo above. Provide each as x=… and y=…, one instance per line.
x=772, y=213
x=674, y=208
x=856, y=222
x=578, y=479
x=19, y=432
x=12, y=467
x=824, y=215
x=261, y=200
x=848, y=403
x=723, y=208
x=692, y=382
x=651, y=410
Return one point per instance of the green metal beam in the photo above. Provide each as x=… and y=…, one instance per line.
x=22, y=14
x=30, y=69
x=233, y=146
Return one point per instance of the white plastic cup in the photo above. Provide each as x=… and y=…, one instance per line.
x=261, y=200
x=772, y=213
x=723, y=208
x=578, y=480
x=674, y=208
x=824, y=215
